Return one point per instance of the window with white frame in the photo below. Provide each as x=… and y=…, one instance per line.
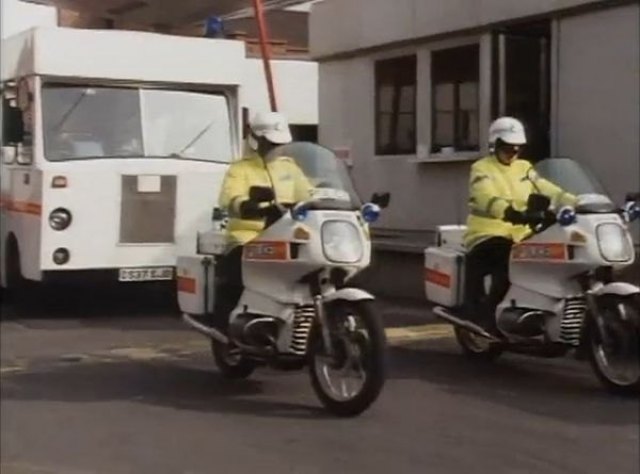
x=396, y=105
x=455, y=79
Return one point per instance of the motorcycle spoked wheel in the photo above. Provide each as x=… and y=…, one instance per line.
x=350, y=381
x=476, y=347
x=615, y=358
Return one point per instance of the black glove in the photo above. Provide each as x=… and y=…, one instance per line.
x=249, y=210
x=261, y=194
x=515, y=217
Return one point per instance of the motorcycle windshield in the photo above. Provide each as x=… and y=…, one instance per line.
x=327, y=174
x=574, y=178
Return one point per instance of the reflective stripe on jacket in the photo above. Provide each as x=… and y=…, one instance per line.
x=289, y=182
x=493, y=187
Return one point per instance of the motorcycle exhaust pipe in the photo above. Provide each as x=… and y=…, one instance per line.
x=468, y=325
x=205, y=330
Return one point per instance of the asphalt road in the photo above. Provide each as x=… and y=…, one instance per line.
x=114, y=383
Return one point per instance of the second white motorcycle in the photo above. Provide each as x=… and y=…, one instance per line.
x=564, y=294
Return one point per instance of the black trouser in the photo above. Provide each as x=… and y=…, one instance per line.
x=229, y=285
x=490, y=257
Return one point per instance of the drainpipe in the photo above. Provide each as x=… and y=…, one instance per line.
x=264, y=48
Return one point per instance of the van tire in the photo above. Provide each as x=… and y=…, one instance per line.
x=13, y=273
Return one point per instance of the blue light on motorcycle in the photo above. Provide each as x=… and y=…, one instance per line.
x=299, y=213
x=632, y=211
x=370, y=212
x=567, y=216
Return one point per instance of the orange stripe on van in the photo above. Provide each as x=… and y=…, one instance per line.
x=437, y=278
x=186, y=285
x=22, y=207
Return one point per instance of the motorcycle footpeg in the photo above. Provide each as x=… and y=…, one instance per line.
x=465, y=324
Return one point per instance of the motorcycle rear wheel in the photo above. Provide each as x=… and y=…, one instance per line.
x=359, y=343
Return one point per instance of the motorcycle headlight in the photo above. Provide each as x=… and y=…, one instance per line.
x=341, y=242
x=614, y=243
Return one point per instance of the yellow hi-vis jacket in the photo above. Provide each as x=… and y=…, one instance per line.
x=289, y=182
x=494, y=187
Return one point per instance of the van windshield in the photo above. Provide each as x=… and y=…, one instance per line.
x=118, y=122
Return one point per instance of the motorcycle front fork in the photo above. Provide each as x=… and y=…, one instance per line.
x=324, y=325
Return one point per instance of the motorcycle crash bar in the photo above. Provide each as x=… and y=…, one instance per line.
x=205, y=330
x=468, y=325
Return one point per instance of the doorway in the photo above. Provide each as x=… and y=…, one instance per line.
x=522, y=82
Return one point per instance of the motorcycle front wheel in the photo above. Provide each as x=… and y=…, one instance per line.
x=349, y=380
x=614, y=350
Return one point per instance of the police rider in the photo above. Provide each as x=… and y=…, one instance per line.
x=500, y=185
x=253, y=189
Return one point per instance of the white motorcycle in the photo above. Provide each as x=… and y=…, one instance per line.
x=563, y=292
x=296, y=308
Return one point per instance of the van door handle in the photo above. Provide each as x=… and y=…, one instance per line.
x=26, y=178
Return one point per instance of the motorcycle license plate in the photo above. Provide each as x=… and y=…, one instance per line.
x=145, y=274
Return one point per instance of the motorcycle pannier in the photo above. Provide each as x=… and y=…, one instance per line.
x=444, y=276
x=194, y=274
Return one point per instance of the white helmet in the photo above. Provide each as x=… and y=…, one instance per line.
x=273, y=126
x=507, y=129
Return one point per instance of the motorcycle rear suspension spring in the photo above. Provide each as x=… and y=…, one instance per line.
x=302, y=323
x=575, y=310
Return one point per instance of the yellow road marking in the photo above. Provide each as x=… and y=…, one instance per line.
x=401, y=335
x=395, y=337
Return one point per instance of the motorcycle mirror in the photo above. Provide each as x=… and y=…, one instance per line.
x=381, y=200
x=538, y=203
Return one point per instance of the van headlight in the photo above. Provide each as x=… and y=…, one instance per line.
x=341, y=242
x=614, y=243
x=59, y=219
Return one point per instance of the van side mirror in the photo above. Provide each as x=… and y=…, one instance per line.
x=12, y=124
x=632, y=197
x=218, y=214
x=381, y=200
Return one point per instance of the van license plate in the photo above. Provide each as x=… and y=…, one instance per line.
x=146, y=274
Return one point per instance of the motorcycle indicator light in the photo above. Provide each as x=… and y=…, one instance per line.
x=300, y=233
x=299, y=212
x=577, y=238
x=632, y=211
x=567, y=216
x=370, y=212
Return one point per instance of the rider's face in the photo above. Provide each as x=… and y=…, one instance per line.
x=507, y=153
x=265, y=146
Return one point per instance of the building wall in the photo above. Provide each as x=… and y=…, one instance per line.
x=598, y=100
x=17, y=16
x=346, y=25
x=596, y=111
x=296, y=88
x=425, y=192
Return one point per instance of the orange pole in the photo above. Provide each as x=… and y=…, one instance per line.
x=266, y=54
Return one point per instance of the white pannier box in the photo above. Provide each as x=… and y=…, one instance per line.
x=444, y=276
x=451, y=236
x=213, y=242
